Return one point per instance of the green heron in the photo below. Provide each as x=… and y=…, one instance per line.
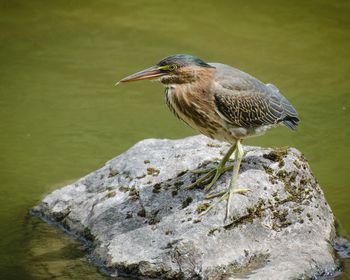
x=222, y=103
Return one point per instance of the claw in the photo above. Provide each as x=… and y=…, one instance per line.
x=241, y=191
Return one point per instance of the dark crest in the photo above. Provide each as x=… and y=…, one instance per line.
x=183, y=60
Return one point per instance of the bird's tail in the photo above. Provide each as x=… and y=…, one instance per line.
x=290, y=122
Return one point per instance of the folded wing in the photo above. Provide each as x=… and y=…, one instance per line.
x=244, y=101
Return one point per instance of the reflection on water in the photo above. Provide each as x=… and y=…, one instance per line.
x=56, y=258
x=61, y=117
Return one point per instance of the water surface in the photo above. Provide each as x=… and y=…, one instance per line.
x=61, y=116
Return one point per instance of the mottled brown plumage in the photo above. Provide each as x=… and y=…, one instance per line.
x=190, y=101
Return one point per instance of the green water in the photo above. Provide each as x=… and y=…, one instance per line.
x=61, y=116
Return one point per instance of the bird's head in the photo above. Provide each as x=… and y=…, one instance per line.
x=175, y=69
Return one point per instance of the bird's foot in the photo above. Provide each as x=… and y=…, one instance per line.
x=216, y=172
x=240, y=191
x=224, y=195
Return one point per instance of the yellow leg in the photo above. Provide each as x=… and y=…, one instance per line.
x=227, y=194
x=219, y=170
x=233, y=188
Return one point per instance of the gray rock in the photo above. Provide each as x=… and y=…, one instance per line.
x=141, y=219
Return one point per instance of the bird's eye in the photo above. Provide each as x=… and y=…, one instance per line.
x=172, y=67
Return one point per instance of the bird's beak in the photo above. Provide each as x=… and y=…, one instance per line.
x=147, y=74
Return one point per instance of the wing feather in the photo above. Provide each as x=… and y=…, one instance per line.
x=246, y=102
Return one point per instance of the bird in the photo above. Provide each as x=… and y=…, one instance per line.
x=223, y=103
